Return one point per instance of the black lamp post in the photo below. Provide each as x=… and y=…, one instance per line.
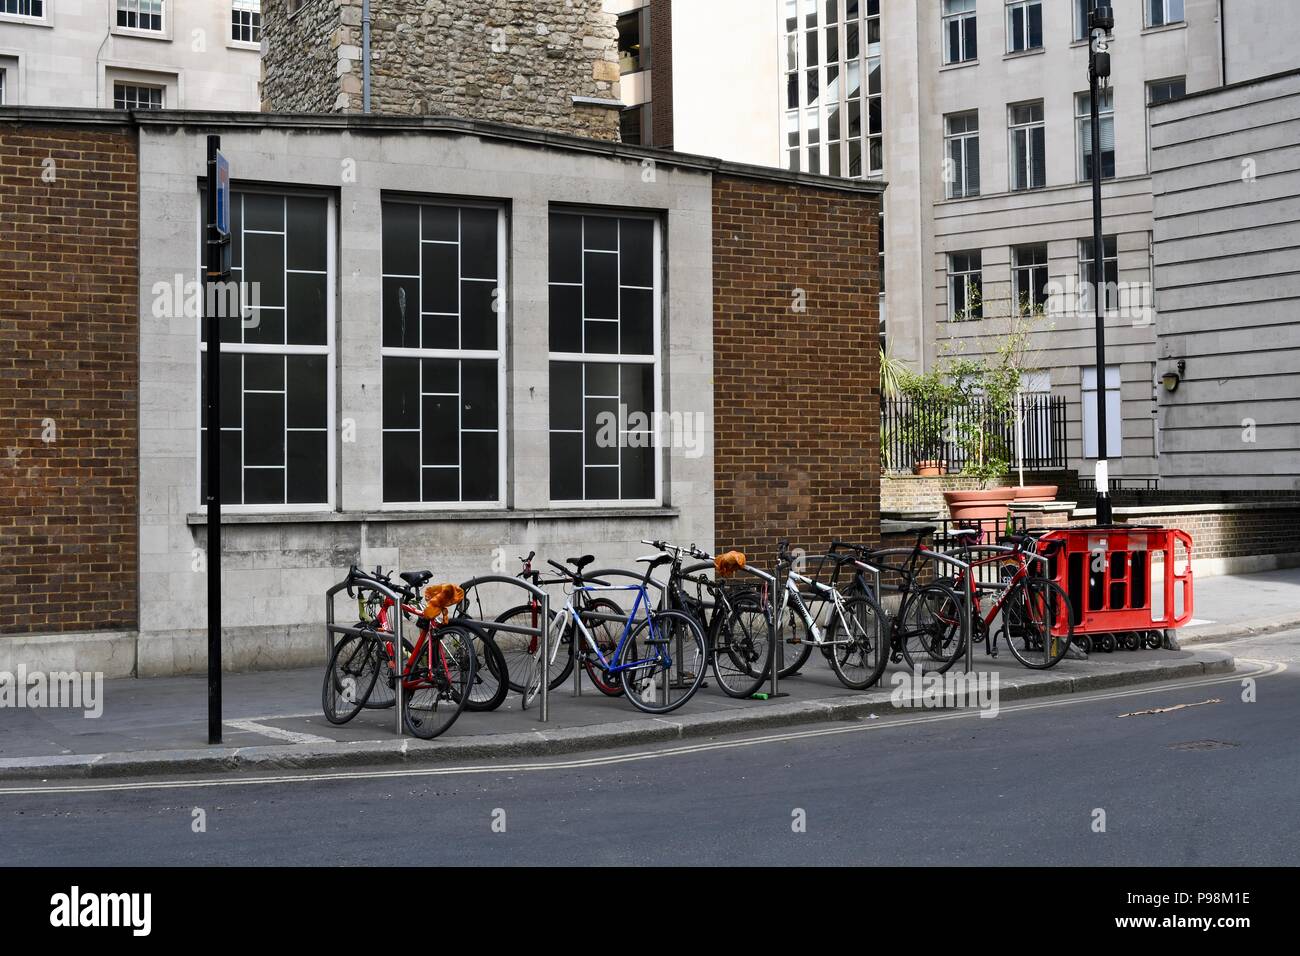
x=1100, y=24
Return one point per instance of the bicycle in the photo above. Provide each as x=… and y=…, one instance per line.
x=647, y=682
x=739, y=631
x=438, y=674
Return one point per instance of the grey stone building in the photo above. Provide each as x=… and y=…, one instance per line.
x=548, y=65
x=1226, y=182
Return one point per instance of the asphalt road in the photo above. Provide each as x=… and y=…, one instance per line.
x=1203, y=784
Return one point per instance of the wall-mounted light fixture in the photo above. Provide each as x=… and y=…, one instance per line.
x=1172, y=378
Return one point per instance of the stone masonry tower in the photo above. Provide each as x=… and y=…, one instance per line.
x=546, y=64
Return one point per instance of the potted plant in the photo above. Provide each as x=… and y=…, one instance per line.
x=923, y=429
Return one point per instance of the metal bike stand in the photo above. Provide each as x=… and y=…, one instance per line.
x=332, y=629
x=542, y=631
x=944, y=559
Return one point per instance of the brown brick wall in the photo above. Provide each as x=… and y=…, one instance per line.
x=68, y=354
x=796, y=393
x=661, y=83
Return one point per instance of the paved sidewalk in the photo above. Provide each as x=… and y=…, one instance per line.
x=1237, y=605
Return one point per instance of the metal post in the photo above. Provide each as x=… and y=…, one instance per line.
x=399, y=657
x=546, y=658
x=212, y=443
x=1101, y=23
x=970, y=605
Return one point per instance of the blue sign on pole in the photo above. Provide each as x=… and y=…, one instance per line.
x=223, y=195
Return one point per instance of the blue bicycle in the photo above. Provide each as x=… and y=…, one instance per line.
x=658, y=662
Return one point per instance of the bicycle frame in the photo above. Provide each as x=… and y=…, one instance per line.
x=791, y=591
x=572, y=614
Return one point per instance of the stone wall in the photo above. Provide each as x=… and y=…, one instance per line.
x=510, y=62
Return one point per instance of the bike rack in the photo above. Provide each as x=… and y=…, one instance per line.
x=640, y=578
x=543, y=630
x=970, y=589
x=368, y=584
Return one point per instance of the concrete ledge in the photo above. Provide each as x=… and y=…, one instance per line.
x=111, y=653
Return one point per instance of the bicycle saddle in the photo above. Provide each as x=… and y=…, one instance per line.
x=581, y=562
x=416, y=579
x=966, y=534
x=655, y=560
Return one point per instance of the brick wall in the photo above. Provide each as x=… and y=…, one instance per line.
x=68, y=375
x=661, y=84
x=796, y=393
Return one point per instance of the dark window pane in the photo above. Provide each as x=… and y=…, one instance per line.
x=401, y=466
x=566, y=466
x=232, y=468
x=602, y=380
x=1039, y=158
x=265, y=266
x=264, y=373
x=972, y=49
x=308, y=405
x=478, y=320
x=232, y=391
x=602, y=286
x=401, y=228
x=441, y=376
x=602, y=431
x=566, y=395
x=478, y=243
x=308, y=468
x=236, y=228
x=601, y=233
x=638, y=391
x=441, y=484
x=566, y=318
x=638, y=471
x=637, y=259
x=602, y=484
x=638, y=321
x=440, y=434
x=263, y=429
x=262, y=327
x=441, y=223
x=441, y=279
x=440, y=331
x=402, y=313
x=263, y=211
x=401, y=393
x=306, y=311
x=308, y=237
x=565, y=248
x=479, y=395
x=479, y=480
x=602, y=337
x=263, y=486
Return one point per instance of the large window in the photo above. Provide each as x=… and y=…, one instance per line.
x=1024, y=25
x=1028, y=146
x=443, y=325
x=1029, y=278
x=1082, y=8
x=634, y=41
x=1114, y=411
x=246, y=21
x=962, y=152
x=1083, y=120
x=1110, y=265
x=604, y=355
x=1160, y=12
x=959, y=42
x=35, y=9
x=1162, y=91
x=277, y=362
x=965, y=286
x=135, y=96
x=140, y=15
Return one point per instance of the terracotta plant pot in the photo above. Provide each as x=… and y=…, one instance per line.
x=1036, y=493
x=928, y=468
x=976, y=505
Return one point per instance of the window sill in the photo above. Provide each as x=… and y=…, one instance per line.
x=163, y=35
x=1165, y=28
x=241, y=45
x=959, y=66
x=26, y=21
x=199, y=519
x=1020, y=54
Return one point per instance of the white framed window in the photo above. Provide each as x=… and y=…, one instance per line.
x=1110, y=280
x=246, y=21
x=965, y=286
x=1028, y=136
x=1083, y=124
x=3, y=75
x=144, y=15
x=1162, y=91
x=606, y=393
x=1024, y=25
x=1114, y=411
x=962, y=154
x=1082, y=8
x=444, y=315
x=1029, y=278
x=138, y=96
x=23, y=9
x=959, y=37
x=1162, y=12
x=277, y=360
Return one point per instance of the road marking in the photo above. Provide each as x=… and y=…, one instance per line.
x=278, y=733
x=1262, y=669
x=1170, y=710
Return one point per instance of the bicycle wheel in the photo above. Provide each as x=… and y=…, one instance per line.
x=438, y=681
x=349, y=678
x=491, y=678
x=742, y=648
x=384, y=693
x=521, y=650
x=930, y=629
x=669, y=655
x=606, y=635
x=860, y=661
x=793, y=635
x=1032, y=612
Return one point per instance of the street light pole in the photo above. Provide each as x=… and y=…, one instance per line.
x=1100, y=22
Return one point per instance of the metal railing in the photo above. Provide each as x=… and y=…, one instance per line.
x=913, y=431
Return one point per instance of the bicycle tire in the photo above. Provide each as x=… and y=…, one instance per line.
x=690, y=662
x=437, y=682
x=521, y=650
x=349, y=678
x=930, y=628
x=491, y=674
x=1032, y=611
x=607, y=640
x=796, y=644
x=869, y=643
x=742, y=647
